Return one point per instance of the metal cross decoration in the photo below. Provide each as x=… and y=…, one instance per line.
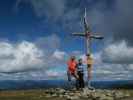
x=87, y=34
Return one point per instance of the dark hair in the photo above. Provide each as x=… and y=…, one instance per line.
x=72, y=57
x=88, y=55
x=80, y=60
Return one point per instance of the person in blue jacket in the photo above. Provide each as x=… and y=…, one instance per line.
x=80, y=73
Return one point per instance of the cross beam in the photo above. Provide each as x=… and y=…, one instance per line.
x=87, y=35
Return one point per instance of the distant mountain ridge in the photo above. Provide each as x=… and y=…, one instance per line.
x=45, y=84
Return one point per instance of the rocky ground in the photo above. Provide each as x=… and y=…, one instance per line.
x=61, y=94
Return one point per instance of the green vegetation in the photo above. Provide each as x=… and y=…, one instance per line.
x=39, y=94
x=24, y=95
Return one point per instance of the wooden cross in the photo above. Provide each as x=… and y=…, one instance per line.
x=87, y=34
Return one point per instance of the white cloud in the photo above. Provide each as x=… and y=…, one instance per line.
x=118, y=53
x=6, y=51
x=130, y=67
x=101, y=71
x=19, y=57
x=59, y=54
x=55, y=74
x=25, y=55
x=115, y=58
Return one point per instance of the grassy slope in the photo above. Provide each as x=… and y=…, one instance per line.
x=32, y=95
x=23, y=95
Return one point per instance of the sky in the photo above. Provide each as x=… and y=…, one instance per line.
x=36, y=40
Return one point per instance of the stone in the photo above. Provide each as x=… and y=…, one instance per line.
x=109, y=94
x=48, y=96
x=61, y=96
x=62, y=91
x=71, y=94
x=87, y=94
x=54, y=95
x=72, y=98
x=78, y=94
x=127, y=95
x=106, y=98
x=118, y=95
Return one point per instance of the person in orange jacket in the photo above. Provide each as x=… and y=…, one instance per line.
x=72, y=67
